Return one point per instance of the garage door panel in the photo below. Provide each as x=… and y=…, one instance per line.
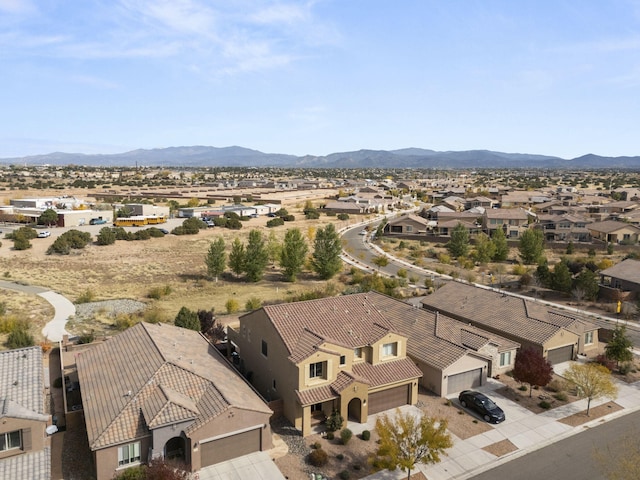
x=388, y=399
x=561, y=354
x=464, y=381
x=230, y=447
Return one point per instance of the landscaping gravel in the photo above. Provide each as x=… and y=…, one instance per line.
x=86, y=311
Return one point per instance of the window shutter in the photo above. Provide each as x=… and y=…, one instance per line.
x=26, y=439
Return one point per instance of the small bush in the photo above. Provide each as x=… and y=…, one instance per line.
x=316, y=446
x=86, y=338
x=523, y=388
x=561, y=396
x=340, y=456
x=334, y=421
x=318, y=458
x=232, y=305
x=344, y=475
x=625, y=368
x=20, y=339
x=556, y=385
x=253, y=304
x=342, y=216
x=356, y=466
x=607, y=362
x=366, y=435
x=275, y=222
x=544, y=405
x=86, y=297
x=330, y=436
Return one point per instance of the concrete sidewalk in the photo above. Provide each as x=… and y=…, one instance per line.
x=527, y=431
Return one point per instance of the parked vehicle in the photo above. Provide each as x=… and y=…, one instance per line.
x=483, y=405
x=97, y=221
x=44, y=234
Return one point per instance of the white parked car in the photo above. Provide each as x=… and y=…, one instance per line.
x=44, y=234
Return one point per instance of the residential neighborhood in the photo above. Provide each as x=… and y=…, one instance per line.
x=134, y=387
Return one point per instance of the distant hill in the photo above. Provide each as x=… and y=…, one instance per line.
x=202, y=156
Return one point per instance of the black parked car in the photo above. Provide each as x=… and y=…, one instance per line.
x=482, y=405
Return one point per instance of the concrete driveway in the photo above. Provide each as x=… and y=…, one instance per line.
x=255, y=466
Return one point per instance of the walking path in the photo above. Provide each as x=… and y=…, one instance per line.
x=64, y=308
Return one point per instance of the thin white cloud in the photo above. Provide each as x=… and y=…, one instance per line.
x=17, y=6
x=94, y=81
x=281, y=13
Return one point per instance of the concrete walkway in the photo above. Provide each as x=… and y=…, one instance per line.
x=63, y=308
x=527, y=431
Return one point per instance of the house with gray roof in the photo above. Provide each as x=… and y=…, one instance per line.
x=558, y=335
x=613, y=231
x=160, y=391
x=624, y=276
x=25, y=449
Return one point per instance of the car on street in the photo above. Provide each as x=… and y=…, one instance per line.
x=44, y=234
x=482, y=405
x=362, y=232
x=164, y=230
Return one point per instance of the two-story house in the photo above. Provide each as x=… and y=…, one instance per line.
x=564, y=228
x=319, y=356
x=513, y=221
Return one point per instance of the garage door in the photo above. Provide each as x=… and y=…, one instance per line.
x=388, y=399
x=464, y=381
x=559, y=355
x=230, y=447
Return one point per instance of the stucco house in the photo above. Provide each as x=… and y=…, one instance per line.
x=160, y=391
x=559, y=336
x=410, y=224
x=624, y=276
x=513, y=221
x=25, y=449
x=322, y=355
x=612, y=231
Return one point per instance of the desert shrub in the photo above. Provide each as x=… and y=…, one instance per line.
x=155, y=232
x=20, y=338
x=123, y=322
x=330, y=436
x=158, y=292
x=275, y=222
x=60, y=246
x=625, y=368
x=544, y=405
x=519, y=269
x=312, y=214
x=253, y=303
x=556, y=385
x=466, y=263
x=345, y=435
x=316, y=445
x=444, y=258
x=288, y=218
x=344, y=475
x=3, y=308
x=356, y=466
x=86, y=338
x=153, y=315
x=525, y=279
x=232, y=305
x=220, y=221
x=106, y=236
x=21, y=243
x=86, y=297
x=318, y=458
x=342, y=216
x=522, y=388
x=402, y=273
x=561, y=396
x=340, y=456
x=366, y=435
x=11, y=323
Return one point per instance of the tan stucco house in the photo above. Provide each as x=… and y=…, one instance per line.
x=160, y=391
x=613, y=231
x=25, y=449
x=323, y=355
x=559, y=336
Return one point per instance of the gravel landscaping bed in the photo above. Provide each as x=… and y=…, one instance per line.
x=86, y=311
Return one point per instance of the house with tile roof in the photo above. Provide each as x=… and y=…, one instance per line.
x=513, y=221
x=25, y=449
x=613, y=231
x=409, y=224
x=564, y=228
x=160, y=391
x=624, y=276
x=558, y=335
x=322, y=355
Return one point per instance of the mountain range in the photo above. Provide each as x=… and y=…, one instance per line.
x=203, y=156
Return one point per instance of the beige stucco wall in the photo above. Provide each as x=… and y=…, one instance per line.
x=561, y=339
x=106, y=459
x=38, y=436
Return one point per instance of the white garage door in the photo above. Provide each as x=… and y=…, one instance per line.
x=464, y=381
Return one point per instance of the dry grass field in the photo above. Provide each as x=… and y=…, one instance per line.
x=131, y=270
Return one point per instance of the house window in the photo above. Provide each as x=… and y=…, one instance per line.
x=390, y=349
x=357, y=352
x=316, y=407
x=588, y=338
x=409, y=228
x=343, y=360
x=9, y=440
x=264, y=348
x=316, y=370
x=505, y=359
x=129, y=454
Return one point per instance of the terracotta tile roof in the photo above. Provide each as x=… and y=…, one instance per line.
x=516, y=317
x=22, y=383
x=388, y=372
x=628, y=270
x=609, y=226
x=151, y=375
x=349, y=321
x=316, y=395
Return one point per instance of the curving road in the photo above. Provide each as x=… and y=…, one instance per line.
x=55, y=329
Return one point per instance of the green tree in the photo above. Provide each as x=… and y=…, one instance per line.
x=106, y=236
x=273, y=246
x=485, y=249
x=620, y=345
x=408, y=439
x=237, y=257
x=531, y=246
x=380, y=261
x=380, y=228
x=48, y=217
x=216, y=258
x=561, y=278
x=326, y=261
x=20, y=242
x=187, y=319
x=532, y=368
x=256, y=256
x=592, y=381
x=588, y=282
x=293, y=254
x=501, y=246
x=458, y=246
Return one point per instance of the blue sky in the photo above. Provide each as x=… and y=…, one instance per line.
x=554, y=77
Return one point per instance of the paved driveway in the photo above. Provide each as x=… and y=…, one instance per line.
x=255, y=466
